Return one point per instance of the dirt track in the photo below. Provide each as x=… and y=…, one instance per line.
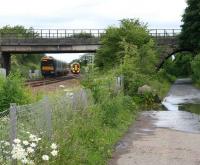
x=145, y=144
x=164, y=137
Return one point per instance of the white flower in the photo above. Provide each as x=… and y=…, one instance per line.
x=24, y=161
x=54, y=153
x=18, y=152
x=25, y=142
x=45, y=157
x=30, y=150
x=33, y=145
x=34, y=138
x=53, y=146
x=6, y=144
x=17, y=141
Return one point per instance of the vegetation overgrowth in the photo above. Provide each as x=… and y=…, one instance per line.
x=88, y=136
x=13, y=90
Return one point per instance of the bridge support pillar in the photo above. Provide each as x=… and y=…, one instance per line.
x=5, y=61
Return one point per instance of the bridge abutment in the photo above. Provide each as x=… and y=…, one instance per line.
x=5, y=59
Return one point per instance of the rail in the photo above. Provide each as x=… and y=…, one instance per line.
x=76, y=33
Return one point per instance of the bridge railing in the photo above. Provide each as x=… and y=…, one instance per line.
x=77, y=33
x=54, y=34
x=157, y=33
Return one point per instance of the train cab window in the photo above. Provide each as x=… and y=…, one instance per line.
x=47, y=63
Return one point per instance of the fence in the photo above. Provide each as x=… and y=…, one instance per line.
x=40, y=118
x=76, y=33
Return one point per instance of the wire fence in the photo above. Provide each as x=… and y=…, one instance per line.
x=44, y=118
x=40, y=118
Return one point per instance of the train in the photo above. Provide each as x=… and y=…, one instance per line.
x=75, y=68
x=52, y=67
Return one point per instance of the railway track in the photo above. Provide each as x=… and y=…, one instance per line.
x=46, y=81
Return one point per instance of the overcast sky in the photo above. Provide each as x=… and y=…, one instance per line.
x=89, y=13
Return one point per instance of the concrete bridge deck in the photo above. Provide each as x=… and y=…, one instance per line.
x=66, y=41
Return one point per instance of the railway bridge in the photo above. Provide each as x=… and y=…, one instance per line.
x=71, y=41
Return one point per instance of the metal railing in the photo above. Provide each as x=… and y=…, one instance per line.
x=77, y=33
x=164, y=32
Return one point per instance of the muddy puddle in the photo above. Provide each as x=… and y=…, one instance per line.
x=183, y=106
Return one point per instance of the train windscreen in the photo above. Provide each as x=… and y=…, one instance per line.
x=47, y=63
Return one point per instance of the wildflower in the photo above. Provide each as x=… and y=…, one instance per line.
x=33, y=145
x=54, y=153
x=18, y=152
x=6, y=144
x=17, y=141
x=53, y=146
x=25, y=142
x=30, y=150
x=34, y=138
x=45, y=157
x=24, y=161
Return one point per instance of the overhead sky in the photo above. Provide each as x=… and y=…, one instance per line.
x=89, y=13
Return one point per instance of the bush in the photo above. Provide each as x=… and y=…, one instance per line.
x=195, y=64
x=12, y=90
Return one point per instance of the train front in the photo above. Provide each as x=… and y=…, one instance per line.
x=47, y=66
x=75, y=68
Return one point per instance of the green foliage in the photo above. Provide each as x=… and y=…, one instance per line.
x=180, y=66
x=132, y=68
x=130, y=31
x=83, y=35
x=22, y=63
x=12, y=90
x=195, y=64
x=90, y=135
x=189, y=37
x=17, y=31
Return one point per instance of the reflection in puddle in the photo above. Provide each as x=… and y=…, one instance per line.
x=181, y=98
x=193, y=108
x=178, y=120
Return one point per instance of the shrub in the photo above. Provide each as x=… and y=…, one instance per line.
x=12, y=90
x=195, y=64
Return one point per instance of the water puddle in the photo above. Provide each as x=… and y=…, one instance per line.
x=183, y=109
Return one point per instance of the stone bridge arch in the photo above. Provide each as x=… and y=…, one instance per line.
x=168, y=51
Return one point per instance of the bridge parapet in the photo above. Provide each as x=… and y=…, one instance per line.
x=77, y=33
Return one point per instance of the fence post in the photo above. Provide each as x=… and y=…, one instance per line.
x=13, y=126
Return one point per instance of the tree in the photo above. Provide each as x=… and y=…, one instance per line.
x=130, y=31
x=189, y=37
